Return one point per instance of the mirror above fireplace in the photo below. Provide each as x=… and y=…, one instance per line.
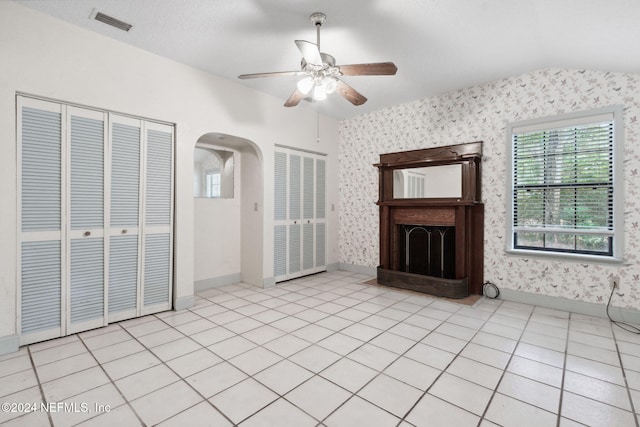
x=431, y=182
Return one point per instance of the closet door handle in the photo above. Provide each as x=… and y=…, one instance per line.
x=295, y=222
x=87, y=233
x=123, y=231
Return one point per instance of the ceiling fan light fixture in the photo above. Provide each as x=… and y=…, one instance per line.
x=319, y=93
x=305, y=85
x=330, y=85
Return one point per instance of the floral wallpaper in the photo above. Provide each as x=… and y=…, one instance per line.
x=481, y=113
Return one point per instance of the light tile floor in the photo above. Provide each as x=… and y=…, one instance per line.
x=326, y=350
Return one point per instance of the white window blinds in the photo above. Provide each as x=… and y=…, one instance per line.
x=563, y=185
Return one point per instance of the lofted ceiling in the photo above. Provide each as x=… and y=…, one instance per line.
x=438, y=45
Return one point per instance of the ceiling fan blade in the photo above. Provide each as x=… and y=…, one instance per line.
x=349, y=93
x=310, y=52
x=274, y=74
x=375, y=69
x=294, y=99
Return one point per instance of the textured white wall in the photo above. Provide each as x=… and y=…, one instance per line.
x=49, y=58
x=480, y=113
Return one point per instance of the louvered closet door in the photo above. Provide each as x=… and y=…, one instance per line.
x=308, y=215
x=124, y=221
x=299, y=214
x=295, y=216
x=157, y=268
x=321, y=221
x=280, y=217
x=40, y=230
x=86, y=219
x=314, y=222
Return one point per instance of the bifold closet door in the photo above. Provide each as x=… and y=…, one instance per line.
x=61, y=258
x=141, y=218
x=320, y=215
x=86, y=219
x=280, y=217
x=41, y=302
x=157, y=270
x=313, y=216
x=299, y=214
x=95, y=218
x=295, y=216
x=124, y=221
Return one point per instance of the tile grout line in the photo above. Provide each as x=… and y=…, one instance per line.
x=35, y=372
x=334, y=332
x=111, y=381
x=180, y=377
x=380, y=372
x=506, y=366
x=468, y=341
x=282, y=396
x=624, y=375
x=403, y=418
x=261, y=345
x=145, y=349
x=564, y=370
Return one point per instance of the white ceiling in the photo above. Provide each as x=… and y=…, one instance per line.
x=438, y=45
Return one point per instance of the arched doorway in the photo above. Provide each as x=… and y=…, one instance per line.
x=228, y=221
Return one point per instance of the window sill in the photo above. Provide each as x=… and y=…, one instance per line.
x=558, y=256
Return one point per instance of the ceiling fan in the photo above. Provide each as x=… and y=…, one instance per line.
x=321, y=75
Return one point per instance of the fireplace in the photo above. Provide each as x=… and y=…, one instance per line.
x=431, y=235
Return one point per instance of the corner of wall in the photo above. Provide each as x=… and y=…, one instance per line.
x=333, y=267
x=268, y=282
x=216, y=282
x=184, y=302
x=361, y=269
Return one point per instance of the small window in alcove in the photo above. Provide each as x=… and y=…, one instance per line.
x=213, y=173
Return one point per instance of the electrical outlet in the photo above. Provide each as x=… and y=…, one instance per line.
x=614, y=282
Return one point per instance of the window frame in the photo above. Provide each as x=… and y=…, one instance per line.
x=553, y=123
x=212, y=189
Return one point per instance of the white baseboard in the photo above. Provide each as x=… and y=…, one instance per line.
x=9, y=344
x=216, y=282
x=580, y=307
x=269, y=282
x=184, y=302
x=333, y=267
x=361, y=269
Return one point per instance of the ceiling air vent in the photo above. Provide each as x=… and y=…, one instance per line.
x=109, y=20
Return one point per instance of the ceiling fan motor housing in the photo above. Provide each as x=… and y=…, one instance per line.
x=318, y=18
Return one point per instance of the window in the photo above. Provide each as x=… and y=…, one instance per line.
x=565, y=189
x=213, y=185
x=213, y=172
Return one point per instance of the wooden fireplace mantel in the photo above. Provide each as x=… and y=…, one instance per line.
x=465, y=213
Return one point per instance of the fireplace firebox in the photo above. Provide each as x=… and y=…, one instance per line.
x=431, y=220
x=427, y=250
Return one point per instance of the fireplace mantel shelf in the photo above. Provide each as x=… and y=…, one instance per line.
x=427, y=202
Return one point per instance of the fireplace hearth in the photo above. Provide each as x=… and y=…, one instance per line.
x=431, y=224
